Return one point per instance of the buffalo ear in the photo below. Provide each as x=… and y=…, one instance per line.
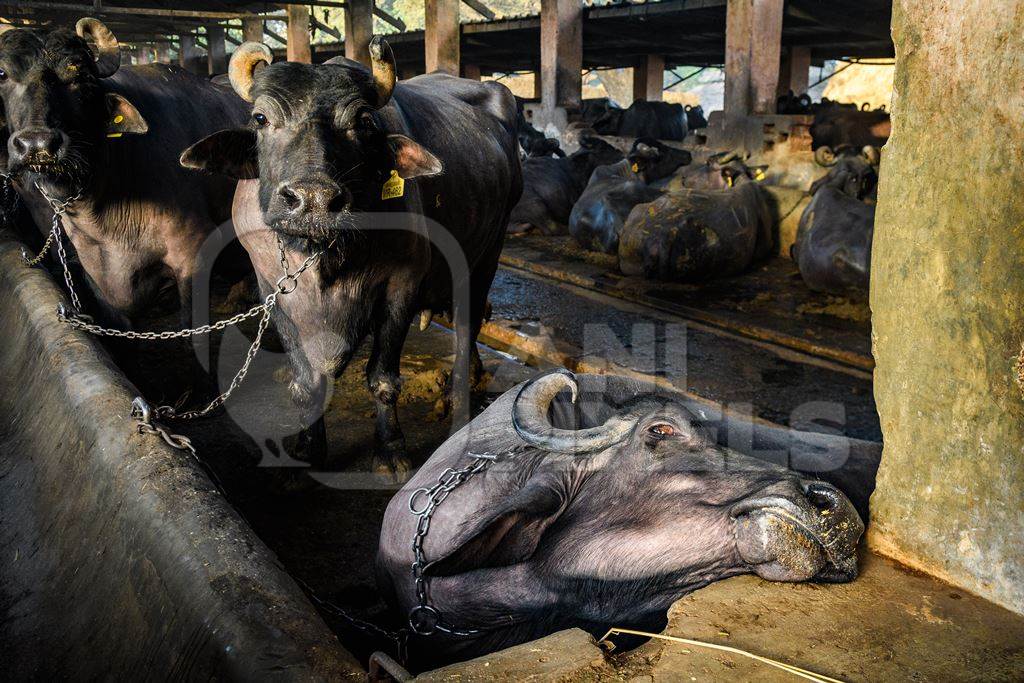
x=229, y=152
x=123, y=117
x=413, y=159
x=508, y=536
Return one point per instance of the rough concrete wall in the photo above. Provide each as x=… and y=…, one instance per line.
x=947, y=296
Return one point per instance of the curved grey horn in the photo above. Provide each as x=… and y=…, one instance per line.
x=530, y=419
x=382, y=62
x=824, y=156
x=108, y=54
x=246, y=59
x=4, y=28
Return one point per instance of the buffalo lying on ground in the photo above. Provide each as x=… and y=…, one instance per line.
x=551, y=186
x=608, y=500
x=719, y=171
x=696, y=235
x=336, y=160
x=643, y=119
x=833, y=242
x=695, y=119
x=82, y=127
x=836, y=127
x=614, y=190
x=532, y=141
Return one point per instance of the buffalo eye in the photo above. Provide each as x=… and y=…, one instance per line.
x=662, y=430
x=260, y=119
x=3, y=75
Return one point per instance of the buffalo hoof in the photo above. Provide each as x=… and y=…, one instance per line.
x=391, y=460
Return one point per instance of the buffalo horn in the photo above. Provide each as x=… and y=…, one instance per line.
x=108, y=54
x=871, y=154
x=247, y=58
x=382, y=61
x=531, y=422
x=425, y=315
x=825, y=156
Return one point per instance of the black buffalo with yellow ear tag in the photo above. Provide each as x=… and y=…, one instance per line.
x=124, y=117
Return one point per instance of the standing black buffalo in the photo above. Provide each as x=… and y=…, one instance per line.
x=596, y=219
x=551, y=186
x=608, y=501
x=696, y=235
x=81, y=127
x=336, y=151
x=643, y=119
x=833, y=242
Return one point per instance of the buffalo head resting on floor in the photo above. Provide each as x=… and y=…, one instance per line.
x=608, y=501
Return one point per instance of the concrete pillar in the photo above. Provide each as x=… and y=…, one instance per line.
x=441, y=35
x=252, y=29
x=538, y=85
x=298, y=49
x=189, y=54
x=753, y=41
x=648, y=78
x=794, y=70
x=471, y=71
x=358, y=30
x=946, y=292
x=765, y=48
x=216, y=54
x=561, y=52
x=163, y=53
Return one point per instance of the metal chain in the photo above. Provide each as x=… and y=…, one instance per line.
x=33, y=261
x=424, y=618
x=285, y=284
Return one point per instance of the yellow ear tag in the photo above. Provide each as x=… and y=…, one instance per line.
x=759, y=174
x=635, y=167
x=728, y=180
x=114, y=135
x=393, y=186
x=117, y=119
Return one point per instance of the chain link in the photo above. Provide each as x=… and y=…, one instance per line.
x=285, y=284
x=33, y=261
x=424, y=618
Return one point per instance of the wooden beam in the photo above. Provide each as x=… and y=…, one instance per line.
x=276, y=36
x=482, y=9
x=138, y=11
x=561, y=52
x=441, y=35
x=388, y=18
x=298, y=34
x=358, y=30
x=324, y=28
x=216, y=54
x=738, y=29
x=648, y=78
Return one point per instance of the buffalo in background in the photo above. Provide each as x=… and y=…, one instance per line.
x=552, y=185
x=833, y=242
x=695, y=235
x=614, y=190
x=643, y=119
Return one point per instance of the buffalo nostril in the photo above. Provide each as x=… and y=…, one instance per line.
x=821, y=495
x=291, y=199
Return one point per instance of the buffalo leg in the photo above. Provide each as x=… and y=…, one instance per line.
x=384, y=381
